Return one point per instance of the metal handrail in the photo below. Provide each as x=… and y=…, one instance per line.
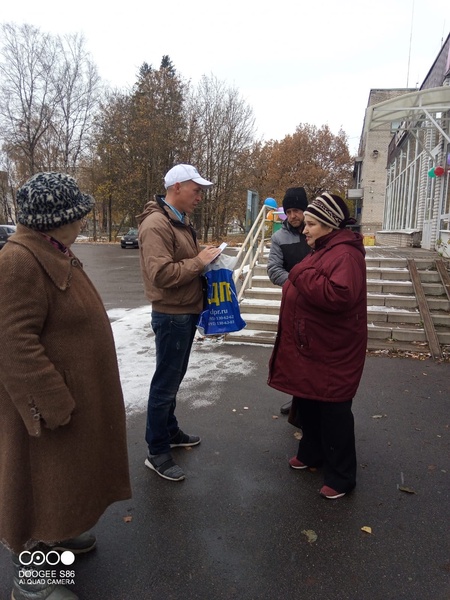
x=253, y=248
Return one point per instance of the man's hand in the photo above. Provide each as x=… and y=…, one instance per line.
x=208, y=254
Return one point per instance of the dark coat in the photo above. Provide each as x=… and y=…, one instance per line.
x=287, y=248
x=321, y=343
x=57, y=360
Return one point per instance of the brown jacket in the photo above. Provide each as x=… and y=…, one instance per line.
x=57, y=359
x=170, y=265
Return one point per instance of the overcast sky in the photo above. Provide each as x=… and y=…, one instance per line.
x=293, y=62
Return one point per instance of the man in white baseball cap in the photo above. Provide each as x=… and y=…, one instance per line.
x=181, y=173
x=172, y=265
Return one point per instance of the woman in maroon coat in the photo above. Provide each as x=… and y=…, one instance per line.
x=321, y=343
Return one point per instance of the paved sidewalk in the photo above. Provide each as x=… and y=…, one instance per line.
x=245, y=526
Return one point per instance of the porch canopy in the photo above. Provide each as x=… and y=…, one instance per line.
x=408, y=111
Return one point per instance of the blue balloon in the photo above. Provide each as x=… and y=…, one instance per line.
x=270, y=202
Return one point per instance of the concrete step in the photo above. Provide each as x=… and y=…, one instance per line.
x=392, y=346
x=396, y=300
x=394, y=321
x=441, y=303
x=263, y=322
x=263, y=306
x=426, y=276
x=392, y=315
x=396, y=281
x=252, y=336
x=269, y=293
x=411, y=332
x=399, y=271
x=393, y=338
x=262, y=281
x=260, y=270
x=402, y=287
x=399, y=263
x=377, y=313
x=377, y=339
x=382, y=262
x=393, y=300
x=379, y=327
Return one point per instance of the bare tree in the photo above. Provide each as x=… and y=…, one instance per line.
x=5, y=202
x=220, y=136
x=77, y=86
x=49, y=90
x=27, y=97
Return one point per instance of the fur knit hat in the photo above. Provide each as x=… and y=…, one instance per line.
x=49, y=200
x=330, y=210
x=295, y=198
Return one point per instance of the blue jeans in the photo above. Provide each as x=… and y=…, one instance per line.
x=174, y=335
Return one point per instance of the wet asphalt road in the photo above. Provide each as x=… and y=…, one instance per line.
x=115, y=272
x=243, y=525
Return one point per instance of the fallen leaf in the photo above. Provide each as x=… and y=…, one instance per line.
x=367, y=529
x=408, y=490
x=274, y=417
x=310, y=534
x=298, y=435
x=127, y=519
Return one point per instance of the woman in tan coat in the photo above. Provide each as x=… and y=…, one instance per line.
x=63, y=454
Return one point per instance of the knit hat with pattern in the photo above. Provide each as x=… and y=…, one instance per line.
x=49, y=200
x=330, y=210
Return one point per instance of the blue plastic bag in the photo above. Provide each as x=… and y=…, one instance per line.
x=222, y=313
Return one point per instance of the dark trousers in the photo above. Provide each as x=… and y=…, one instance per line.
x=174, y=335
x=328, y=440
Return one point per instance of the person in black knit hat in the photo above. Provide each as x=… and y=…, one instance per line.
x=288, y=245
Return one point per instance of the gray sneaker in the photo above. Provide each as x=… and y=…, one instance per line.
x=164, y=465
x=181, y=439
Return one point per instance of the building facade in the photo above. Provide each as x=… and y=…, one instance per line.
x=402, y=172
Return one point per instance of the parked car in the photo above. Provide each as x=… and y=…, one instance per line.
x=5, y=232
x=130, y=239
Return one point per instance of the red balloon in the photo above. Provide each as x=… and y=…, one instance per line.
x=439, y=171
